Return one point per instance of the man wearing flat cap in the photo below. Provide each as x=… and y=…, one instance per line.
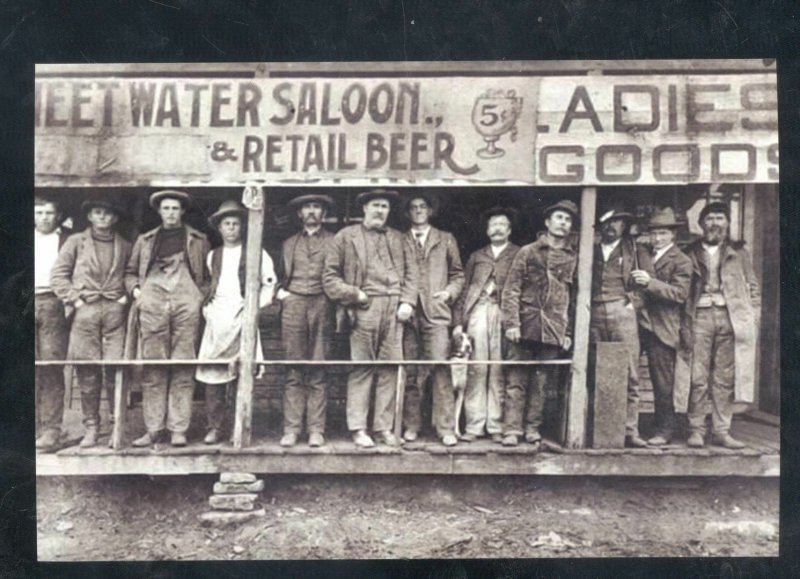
x=168, y=280
x=307, y=320
x=477, y=312
x=88, y=277
x=52, y=331
x=616, y=299
x=538, y=314
x=441, y=278
x=371, y=273
x=224, y=309
x=660, y=319
x=723, y=315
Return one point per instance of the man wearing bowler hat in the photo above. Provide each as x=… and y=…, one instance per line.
x=168, y=280
x=723, y=315
x=538, y=313
x=88, y=277
x=52, y=331
x=660, y=319
x=616, y=298
x=307, y=320
x=441, y=278
x=371, y=273
x=478, y=312
x=224, y=309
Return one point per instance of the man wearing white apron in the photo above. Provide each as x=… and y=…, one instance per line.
x=224, y=309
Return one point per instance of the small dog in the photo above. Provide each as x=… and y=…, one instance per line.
x=460, y=350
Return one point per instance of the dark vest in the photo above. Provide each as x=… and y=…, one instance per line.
x=216, y=269
x=607, y=281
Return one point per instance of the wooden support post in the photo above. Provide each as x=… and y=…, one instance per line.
x=253, y=199
x=578, y=398
x=399, y=400
x=120, y=408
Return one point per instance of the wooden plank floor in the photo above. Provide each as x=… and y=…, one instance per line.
x=339, y=455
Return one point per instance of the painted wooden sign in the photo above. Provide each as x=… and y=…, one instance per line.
x=545, y=130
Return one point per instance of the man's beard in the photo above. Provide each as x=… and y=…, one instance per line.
x=715, y=234
x=609, y=236
x=374, y=222
x=312, y=220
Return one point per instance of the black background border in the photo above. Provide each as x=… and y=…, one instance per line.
x=51, y=31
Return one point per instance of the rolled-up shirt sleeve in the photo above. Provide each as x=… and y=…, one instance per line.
x=268, y=280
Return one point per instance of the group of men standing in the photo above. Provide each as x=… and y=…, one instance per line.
x=399, y=296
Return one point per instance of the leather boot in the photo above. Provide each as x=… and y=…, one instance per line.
x=89, y=437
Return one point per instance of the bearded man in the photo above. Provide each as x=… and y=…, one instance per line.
x=723, y=315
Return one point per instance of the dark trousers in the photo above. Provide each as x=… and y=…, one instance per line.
x=51, y=344
x=169, y=324
x=376, y=335
x=530, y=379
x=423, y=340
x=216, y=405
x=307, y=325
x=661, y=363
x=713, y=371
x=616, y=322
x=98, y=333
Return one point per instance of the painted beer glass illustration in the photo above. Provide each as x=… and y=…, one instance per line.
x=494, y=114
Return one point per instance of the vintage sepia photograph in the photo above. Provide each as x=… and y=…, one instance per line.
x=402, y=310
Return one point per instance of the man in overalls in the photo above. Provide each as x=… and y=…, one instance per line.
x=168, y=279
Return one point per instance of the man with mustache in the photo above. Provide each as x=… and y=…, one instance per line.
x=478, y=309
x=307, y=320
x=441, y=278
x=371, y=273
x=616, y=299
x=538, y=311
x=88, y=277
x=723, y=315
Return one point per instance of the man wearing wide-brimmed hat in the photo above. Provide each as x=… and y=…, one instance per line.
x=224, y=309
x=477, y=311
x=538, y=315
x=307, y=320
x=426, y=336
x=371, y=273
x=660, y=319
x=52, y=331
x=722, y=321
x=168, y=280
x=616, y=298
x=88, y=277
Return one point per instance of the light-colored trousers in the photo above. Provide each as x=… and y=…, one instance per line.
x=483, y=398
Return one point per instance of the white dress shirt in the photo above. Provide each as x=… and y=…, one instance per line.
x=609, y=248
x=45, y=247
x=660, y=252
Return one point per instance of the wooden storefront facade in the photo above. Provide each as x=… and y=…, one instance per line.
x=524, y=134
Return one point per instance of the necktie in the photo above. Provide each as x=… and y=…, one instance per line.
x=418, y=235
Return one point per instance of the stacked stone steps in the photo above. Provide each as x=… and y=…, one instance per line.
x=234, y=500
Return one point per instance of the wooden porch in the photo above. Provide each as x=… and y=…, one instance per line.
x=761, y=458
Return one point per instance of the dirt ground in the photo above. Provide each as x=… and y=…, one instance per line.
x=376, y=517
